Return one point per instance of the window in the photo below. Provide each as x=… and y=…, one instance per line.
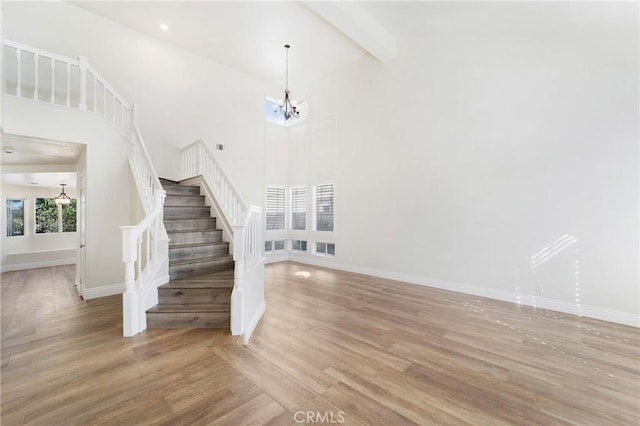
x=326, y=248
x=69, y=215
x=51, y=218
x=324, y=207
x=274, y=245
x=273, y=114
x=299, y=208
x=15, y=218
x=275, y=208
x=298, y=245
x=46, y=216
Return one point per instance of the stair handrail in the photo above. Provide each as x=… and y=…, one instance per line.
x=246, y=222
x=81, y=90
x=141, y=271
x=196, y=159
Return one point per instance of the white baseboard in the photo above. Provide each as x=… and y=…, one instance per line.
x=594, y=312
x=253, y=323
x=279, y=256
x=103, y=291
x=34, y=265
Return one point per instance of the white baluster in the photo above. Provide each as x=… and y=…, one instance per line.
x=83, y=65
x=139, y=257
x=113, y=109
x=19, y=87
x=148, y=244
x=95, y=93
x=35, y=90
x=53, y=80
x=68, y=84
x=104, y=100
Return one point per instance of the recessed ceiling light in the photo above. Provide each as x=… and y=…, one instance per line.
x=164, y=27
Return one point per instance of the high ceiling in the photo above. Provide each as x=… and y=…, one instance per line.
x=249, y=35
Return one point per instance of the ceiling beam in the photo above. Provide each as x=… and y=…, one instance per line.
x=358, y=25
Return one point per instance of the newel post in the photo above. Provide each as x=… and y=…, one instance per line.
x=238, y=310
x=130, y=324
x=83, y=63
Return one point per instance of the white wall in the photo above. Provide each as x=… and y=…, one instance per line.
x=34, y=250
x=468, y=153
x=108, y=178
x=181, y=96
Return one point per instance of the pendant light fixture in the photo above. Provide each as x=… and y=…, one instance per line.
x=63, y=199
x=286, y=107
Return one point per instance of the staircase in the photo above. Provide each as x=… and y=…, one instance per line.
x=201, y=270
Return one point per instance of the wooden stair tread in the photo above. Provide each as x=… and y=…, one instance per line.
x=193, y=245
x=184, y=231
x=227, y=274
x=204, y=285
x=186, y=308
x=199, y=260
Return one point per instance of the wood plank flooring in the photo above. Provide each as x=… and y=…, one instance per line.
x=333, y=347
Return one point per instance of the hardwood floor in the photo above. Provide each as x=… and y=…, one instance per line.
x=332, y=347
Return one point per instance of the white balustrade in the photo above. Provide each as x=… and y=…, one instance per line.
x=145, y=246
x=42, y=75
x=246, y=221
x=196, y=160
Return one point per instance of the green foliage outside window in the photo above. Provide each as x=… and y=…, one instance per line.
x=69, y=217
x=46, y=216
x=15, y=218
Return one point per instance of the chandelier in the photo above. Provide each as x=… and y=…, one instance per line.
x=63, y=198
x=286, y=107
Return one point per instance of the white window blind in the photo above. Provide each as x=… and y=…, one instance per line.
x=324, y=207
x=275, y=208
x=299, y=208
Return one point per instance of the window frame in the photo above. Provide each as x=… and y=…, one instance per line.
x=24, y=216
x=266, y=209
x=60, y=218
x=292, y=206
x=315, y=209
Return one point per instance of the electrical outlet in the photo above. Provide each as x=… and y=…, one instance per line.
x=538, y=289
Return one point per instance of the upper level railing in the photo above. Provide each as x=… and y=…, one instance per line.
x=44, y=76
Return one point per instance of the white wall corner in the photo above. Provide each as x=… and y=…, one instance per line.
x=279, y=256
